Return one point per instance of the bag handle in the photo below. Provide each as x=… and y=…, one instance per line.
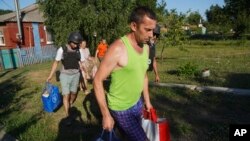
x=151, y=114
x=102, y=133
x=111, y=134
x=47, y=87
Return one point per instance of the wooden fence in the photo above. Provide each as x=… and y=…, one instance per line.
x=20, y=57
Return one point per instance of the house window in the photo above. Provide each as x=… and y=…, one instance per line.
x=49, y=37
x=2, y=42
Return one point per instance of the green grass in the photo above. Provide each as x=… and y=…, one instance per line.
x=192, y=115
x=229, y=65
x=23, y=117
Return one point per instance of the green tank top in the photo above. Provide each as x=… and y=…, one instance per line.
x=127, y=83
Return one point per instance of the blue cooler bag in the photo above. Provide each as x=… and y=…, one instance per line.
x=51, y=97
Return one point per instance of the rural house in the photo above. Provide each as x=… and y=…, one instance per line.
x=37, y=44
x=33, y=29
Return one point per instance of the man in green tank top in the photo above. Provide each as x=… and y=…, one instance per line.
x=127, y=62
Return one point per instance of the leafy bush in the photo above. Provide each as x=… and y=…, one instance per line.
x=187, y=70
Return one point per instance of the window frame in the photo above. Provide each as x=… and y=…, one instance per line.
x=2, y=38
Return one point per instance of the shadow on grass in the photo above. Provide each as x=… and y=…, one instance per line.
x=2, y=74
x=93, y=111
x=22, y=128
x=172, y=72
x=74, y=128
x=80, y=129
x=10, y=93
x=196, y=116
x=205, y=81
x=8, y=89
x=238, y=80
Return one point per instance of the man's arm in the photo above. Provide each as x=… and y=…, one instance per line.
x=146, y=93
x=157, y=78
x=109, y=63
x=55, y=63
x=53, y=69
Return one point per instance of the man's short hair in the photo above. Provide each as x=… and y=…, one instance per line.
x=139, y=12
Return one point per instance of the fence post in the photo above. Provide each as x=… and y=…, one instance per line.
x=1, y=61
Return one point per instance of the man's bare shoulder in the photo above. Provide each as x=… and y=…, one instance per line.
x=117, y=46
x=117, y=54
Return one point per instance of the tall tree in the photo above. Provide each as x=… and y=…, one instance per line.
x=218, y=19
x=239, y=15
x=108, y=19
x=161, y=11
x=175, y=35
x=62, y=17
x=194, y=18
x=149, y=3
x=105, y=17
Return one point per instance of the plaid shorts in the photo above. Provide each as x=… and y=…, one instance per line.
x=129, y=122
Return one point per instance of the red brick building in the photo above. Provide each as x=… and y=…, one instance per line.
x=34, y=31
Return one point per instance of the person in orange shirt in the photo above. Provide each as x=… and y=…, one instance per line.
x=101, y=49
